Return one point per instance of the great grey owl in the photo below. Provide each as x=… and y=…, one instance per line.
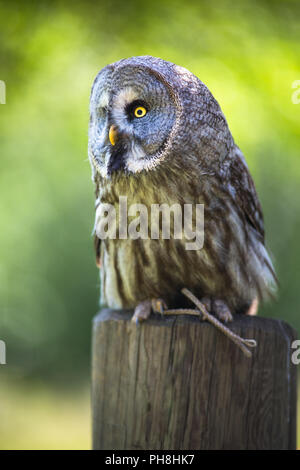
x=158, y=136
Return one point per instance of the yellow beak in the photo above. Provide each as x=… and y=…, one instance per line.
x=113, y=134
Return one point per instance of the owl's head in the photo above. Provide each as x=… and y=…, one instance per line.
x=144, y=111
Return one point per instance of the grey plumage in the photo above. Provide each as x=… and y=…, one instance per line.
x=182, y=151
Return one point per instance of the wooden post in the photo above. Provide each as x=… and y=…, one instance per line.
x=176, y=383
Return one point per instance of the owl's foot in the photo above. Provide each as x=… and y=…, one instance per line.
x=158, y=305
x=214, y=306
x=218, y=308
x=221, y=310
x=142, y=310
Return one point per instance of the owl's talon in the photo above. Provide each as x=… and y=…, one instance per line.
x=141, y=312
x=218, y=308
x=158, y=306
x=221, y=310
x=206, y=301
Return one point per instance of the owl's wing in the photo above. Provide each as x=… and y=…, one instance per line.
x=245, y=193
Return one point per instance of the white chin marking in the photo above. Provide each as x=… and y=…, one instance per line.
x=137, y=161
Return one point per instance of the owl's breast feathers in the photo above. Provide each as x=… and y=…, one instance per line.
x=233, y=263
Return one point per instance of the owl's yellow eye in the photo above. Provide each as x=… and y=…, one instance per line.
x=140, y=111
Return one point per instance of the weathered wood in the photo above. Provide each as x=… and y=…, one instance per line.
x=177, y=383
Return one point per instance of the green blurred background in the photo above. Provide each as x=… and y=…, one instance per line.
x=248, y=55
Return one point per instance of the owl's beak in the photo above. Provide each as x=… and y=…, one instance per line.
x=113, y=134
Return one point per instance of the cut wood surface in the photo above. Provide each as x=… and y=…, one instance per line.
x=177, y=383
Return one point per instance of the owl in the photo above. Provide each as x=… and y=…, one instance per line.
x=158, y=136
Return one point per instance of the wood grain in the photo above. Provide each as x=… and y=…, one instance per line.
x=176, y=383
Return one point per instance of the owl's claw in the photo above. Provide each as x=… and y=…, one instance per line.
x=221, y=311
x=141, y=312
x=158, y=306
x=216, y=307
